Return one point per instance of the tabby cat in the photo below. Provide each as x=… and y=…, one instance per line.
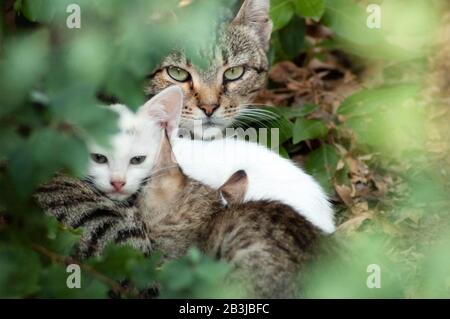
x=236, y=72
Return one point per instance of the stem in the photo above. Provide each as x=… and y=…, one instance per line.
x=116, y=287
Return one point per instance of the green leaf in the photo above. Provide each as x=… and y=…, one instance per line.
x=88, y=57
x=17, y=5
x=116, y=261
x=39, y=10
x=62, y=241
x=60, y=149
x=195, y=276
x=310, y=8
x=281, y=12
x=348, y=21
x=292, y=37
x=366, y=102
x=76, y=105
x=177, y=275
x=194, y=255
x=305, y=129
x=322, y=163
x=338, y=276
x=143, y=271
x=21, y=169
x=386, y=119
x=284, y=153
x=212, y=271
x=53, y=282
x=9, y=140
x=23, y=63
x=284, y=130
x=19, y=273
x=46, y=152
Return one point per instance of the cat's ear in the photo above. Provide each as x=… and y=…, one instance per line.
x=167, y=175
x=165, y=108
x=235, y=188
x=165, y=160
x=255, y=13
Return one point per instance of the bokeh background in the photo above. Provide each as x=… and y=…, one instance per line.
x=364, y=110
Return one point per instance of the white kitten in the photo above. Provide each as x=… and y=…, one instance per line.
x=119, y=171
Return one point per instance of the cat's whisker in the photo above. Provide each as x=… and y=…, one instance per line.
x=240, y=124
x=262, y=117
x=256, y=117
x=252, y=120
x=260, y=113
x=255, y=104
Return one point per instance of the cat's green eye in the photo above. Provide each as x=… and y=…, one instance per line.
x=234, y=73
x=99, y=158
x=178, y=74
x=137, y=160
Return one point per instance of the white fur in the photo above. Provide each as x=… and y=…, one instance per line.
x=270, y=176
x=135, y=138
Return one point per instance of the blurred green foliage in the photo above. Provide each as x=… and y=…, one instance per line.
x=49, y=79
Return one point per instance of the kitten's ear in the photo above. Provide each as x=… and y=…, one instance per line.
x=167, y=174
x=255, y=13
x=165, y=160
x=235, y=188
x=165, y=108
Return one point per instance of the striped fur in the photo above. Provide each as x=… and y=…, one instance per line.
x=76, y=203
x=267, y=242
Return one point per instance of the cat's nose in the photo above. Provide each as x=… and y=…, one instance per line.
x=209, y=109
x=118, y=185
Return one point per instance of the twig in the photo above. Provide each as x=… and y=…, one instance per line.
x=69, y=260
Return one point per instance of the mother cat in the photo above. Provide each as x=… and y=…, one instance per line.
x=237, y=69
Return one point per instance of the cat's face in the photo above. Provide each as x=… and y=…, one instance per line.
x=120, y=170
x=236, y=72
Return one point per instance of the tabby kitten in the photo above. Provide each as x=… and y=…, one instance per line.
x=266, y=242
x=236, y=72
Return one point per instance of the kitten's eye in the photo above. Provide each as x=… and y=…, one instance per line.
x=178, y=74
x=137, y=160
x=234, y=73
x=99, y=158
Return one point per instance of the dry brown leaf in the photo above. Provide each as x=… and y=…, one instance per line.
x=354, y=223
x=345, y=193
x=360, y=207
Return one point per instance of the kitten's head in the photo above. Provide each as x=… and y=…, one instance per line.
x=119, y=171
x=236, y=71
x=169, y=188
